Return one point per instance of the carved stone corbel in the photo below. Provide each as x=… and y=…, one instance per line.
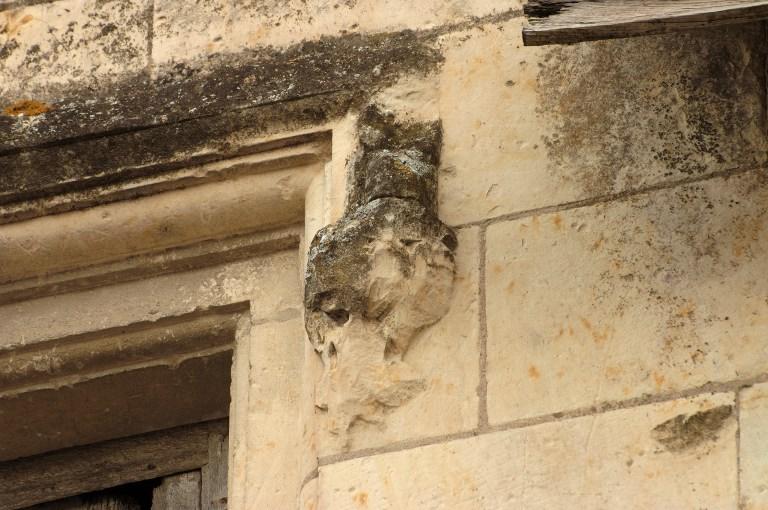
x=380, y=274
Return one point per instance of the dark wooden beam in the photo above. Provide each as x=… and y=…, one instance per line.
x=57, y=475
x=572, y=21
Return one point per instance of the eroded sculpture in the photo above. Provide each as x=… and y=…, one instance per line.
x=380, y=274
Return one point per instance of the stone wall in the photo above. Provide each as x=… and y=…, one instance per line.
x=605, y=344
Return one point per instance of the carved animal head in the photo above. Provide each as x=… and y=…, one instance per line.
x=389, y=266
x=379, y=275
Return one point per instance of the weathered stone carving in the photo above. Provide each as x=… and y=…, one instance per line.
x=380, y=274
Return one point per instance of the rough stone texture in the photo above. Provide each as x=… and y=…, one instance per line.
x=531, y=127
x=90, y=44
x=445, y=356
x=89, y=162
x=625, y=299
x=608, y=302
x=224, y=84
x=379, y=275
x=184, y=31
x=606, y=461
x=754, y=447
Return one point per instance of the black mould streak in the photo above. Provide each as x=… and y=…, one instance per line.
x=252, y=78
x=104, y=135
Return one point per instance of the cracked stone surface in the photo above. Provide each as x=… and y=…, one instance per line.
x=379, y=275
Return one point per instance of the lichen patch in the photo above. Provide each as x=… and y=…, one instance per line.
x=685, y=432
x=27, y=108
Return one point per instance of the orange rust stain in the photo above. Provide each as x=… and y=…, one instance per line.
x=27, y=107
x=597, y=336
x=597, y=244
x=510, y=287
x=738, y=250
x=361, y=498
x=686, y=310
x=497, y=268
x=13, y=23
x=658, y=379
x=557, y=221
x=613, y=371
x=533, y=372
x=560, y=373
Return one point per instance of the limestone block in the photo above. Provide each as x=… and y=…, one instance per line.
x=675, y=455
x=273, y=446
x=531, y=127
x=308, y=498
x=185, y=30
x=653, y=294
x=753, y=454
x=446, y=359
x=86, y=43
x=270, y=283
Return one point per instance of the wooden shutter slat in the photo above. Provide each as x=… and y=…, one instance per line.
x=572, y=21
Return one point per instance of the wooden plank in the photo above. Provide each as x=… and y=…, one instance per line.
x=57, y=475
x=178, y=492
x=100, y=502
x=572, y=21
x=214, y=474
x=112, y=503
x=74, y=503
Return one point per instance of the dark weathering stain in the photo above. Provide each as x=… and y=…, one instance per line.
x=141, y=123
x=626, y=112
x=187, y=104
x=226, y=82
x=684, y=432
x=545, y=8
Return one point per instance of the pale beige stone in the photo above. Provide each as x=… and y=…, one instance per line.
x=238, y=417
x=273, y=443
x=753, y=447
x=445, y=357
x=308, y=499
x=654, y=294
x=184, y=31
x=86, y=42
x=270, y=283
x=55, y=243
x=608, y=461
x=531, y=127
